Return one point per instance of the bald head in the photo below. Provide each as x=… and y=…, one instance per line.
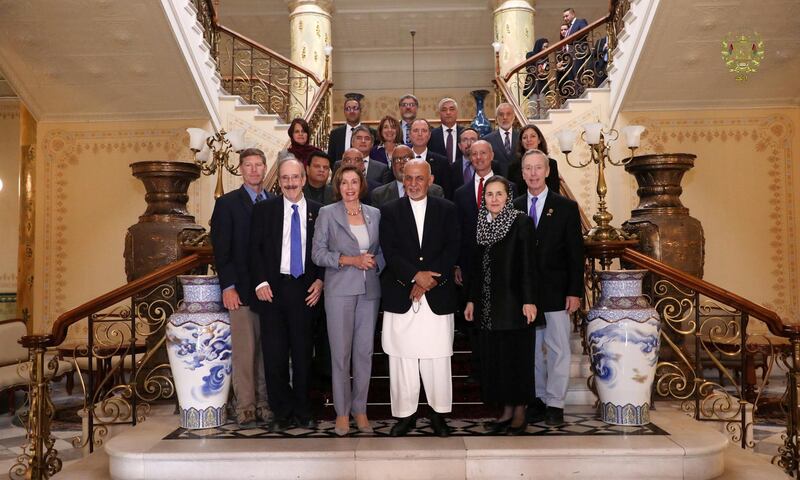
x=353, y=156
x=481, y=156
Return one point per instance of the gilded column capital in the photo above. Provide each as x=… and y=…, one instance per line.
x=310, y=6
x=512, y=4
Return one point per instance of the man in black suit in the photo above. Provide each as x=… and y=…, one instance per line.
x=394, y=189
x=340, y=137
x=408, y=105
x=377, y=173
x=462, y=170
x=560, y=264
x=317, y=172
x=230, y=236
x=444, y=138
x=420, y=136
x=288, y=286
x=417, y=234
x=504, y=140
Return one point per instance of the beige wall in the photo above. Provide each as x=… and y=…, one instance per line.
x=9, y=195
x=744, y=189
x=87, y=198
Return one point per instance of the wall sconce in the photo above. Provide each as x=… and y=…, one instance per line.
x=327, y=49
x=599, y=141
x=212, y=152
x=496, y=46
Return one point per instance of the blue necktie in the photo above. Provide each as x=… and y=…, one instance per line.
x=468, y=171
x=532, y=212
x=296, y=245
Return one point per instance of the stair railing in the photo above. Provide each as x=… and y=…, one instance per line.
x=705, y=329
x=122, y=358
x=564, y=70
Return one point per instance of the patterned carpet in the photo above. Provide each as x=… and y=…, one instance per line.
x=574, y=424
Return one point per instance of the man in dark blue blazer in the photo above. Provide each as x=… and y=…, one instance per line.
x=444, y=139
x=230, y=237
x=340, y=138
x=575, y=24
x=560, y=268
x=288, y=286
x=461, y=170
x=420, y=135
x=504, y=140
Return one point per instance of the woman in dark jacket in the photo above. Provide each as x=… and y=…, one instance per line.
x=530, y=138
x=501, y=300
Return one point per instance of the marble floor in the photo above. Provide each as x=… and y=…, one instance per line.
x=766, y=434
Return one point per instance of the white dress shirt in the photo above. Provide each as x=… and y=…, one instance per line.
x=418, y=208
x=286, y=247
x=401, y=190
x=510, y=136
x=423, y=155
x=539, y=204
x=477, y=181
x=348, y=134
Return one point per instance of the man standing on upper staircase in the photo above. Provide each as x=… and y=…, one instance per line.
x=230, y=237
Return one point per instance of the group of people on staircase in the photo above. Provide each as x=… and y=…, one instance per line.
x=423, y=224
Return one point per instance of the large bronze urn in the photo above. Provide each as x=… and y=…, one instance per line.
x=666, y=230
x=152, y=243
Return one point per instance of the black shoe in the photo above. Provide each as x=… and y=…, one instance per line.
x=535, y=411
x=554, y=416
x=517, y=430
x=403, y=426
x=279, y=424
x=497, y=428
x=305, y=422
x=439, y=425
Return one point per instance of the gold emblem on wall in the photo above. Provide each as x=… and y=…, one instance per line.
x=742, y=54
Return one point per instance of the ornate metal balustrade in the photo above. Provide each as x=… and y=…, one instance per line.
x=709, y=359
x=564, y=70
x=121, y=365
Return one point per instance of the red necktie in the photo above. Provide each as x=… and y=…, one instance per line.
x=480, y=193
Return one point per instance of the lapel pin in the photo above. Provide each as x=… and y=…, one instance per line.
x=550, y=212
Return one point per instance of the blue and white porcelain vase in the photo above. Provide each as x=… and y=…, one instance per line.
x=199, y=349
x=623, y=334
x=480, y=123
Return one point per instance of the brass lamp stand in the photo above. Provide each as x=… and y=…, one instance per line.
x=212, y=152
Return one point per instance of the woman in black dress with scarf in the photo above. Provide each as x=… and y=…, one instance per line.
x=502, y=302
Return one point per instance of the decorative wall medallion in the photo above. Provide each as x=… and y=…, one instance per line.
x=742, y=54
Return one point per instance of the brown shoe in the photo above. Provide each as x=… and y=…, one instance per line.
x=263, y=414
x=246, y=418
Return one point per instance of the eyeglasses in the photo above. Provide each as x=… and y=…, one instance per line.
x=408, y=104
x=404, y=158
x=352, y=109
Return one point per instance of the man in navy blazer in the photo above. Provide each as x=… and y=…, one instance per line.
x=504, y=140
x=461, y=170
x=560, y=268
x=230, y=237
x=288, y=286
x=340, y=138
x=444, y=139
x=420, y=136
x=575, y=24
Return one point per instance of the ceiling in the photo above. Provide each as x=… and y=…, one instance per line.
x=681, y=65
x=95, y=59
x=372, y=41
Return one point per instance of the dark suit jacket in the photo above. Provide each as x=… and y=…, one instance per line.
x=513, y=277
x=404, y=256
x=389, y=192
x=266, y=240
x=441, y=172
x=336, y=146
x=578, y=25
x=496, y=141
x=230, y=237
x=515, y=176
x=437, y=145
x=323, y=195
x=559, y=251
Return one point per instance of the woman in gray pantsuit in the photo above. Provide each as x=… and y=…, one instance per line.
x=346, y=245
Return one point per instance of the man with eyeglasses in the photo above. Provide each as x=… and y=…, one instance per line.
x=394, y=190
x=408, y=113
x=462, y=169
x=341, y=137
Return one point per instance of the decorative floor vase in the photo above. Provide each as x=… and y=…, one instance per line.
x=623, y=334
x=480, y=123
x=199, y=349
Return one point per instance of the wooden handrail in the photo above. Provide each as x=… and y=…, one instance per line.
x=773, y=321
x=556, y=46
x=200, y=257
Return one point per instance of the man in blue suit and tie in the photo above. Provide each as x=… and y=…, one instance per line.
x=574, y=24
x=230, y=235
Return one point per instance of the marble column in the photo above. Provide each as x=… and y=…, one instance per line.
x=513, y=28
x=310, y=32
